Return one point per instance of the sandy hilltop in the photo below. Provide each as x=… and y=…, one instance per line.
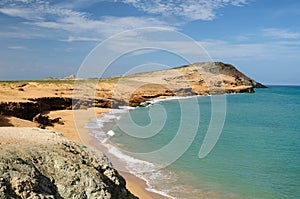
x=51, y=103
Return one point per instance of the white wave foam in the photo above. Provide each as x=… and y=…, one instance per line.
x=154, y=101
x=126, y=107
x=99, y=135
x=93, y=125
x=163, y=193
x=130, y=161
x=144, y=170
x=140, y=168
x=111, y=133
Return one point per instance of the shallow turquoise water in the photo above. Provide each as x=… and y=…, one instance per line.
x=257, y=155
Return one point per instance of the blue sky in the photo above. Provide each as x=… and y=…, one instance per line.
x=40, y=38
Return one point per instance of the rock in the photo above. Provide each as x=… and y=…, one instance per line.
x=43, y=121
x=53, y=103
x=70, y=77
x=50, y=166
x=22, y=110
x=145, y=104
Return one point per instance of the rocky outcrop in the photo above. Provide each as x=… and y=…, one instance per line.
x=196, y=79
x=53, y=103
x=240, y=78
x=43, y=121
x=50, y=166
x=34, y=109
x=22, y=110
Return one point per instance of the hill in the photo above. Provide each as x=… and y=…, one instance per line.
x=27, y=99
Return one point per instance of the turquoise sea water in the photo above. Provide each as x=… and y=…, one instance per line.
x=256, y=156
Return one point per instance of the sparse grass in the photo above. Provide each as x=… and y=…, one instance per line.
x=58, y=82
x=109, y=80
x=13, y=82
x=54, y=81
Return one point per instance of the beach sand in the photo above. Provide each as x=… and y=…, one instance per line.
x=71, y=129
x=136, y=185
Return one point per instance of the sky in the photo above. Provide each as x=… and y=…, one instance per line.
x=42, y=38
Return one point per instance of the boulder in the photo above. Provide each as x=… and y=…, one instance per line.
x=36, y=163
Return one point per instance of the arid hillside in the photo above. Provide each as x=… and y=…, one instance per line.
x=31, y=100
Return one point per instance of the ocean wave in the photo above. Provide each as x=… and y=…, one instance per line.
x=154, y=101
x=162, y=181
x=146, y=171
x=140, y=168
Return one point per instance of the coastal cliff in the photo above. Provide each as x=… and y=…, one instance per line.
x=28, y=99
x=37, y=163
x=204, y=78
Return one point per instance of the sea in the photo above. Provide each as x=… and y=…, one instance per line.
x=256, y=153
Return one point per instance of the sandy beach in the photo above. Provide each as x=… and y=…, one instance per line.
x=70, y=129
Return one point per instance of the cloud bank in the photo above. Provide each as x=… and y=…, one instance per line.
x=66, y=16
x=188, y=9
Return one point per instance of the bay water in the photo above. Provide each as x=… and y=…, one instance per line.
x=257, y=154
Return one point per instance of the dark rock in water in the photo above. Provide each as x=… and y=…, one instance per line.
x=145, y=104
x=35, y=163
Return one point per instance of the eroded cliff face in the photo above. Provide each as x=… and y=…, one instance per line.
x=36, y=163
x=32, y=99
x=196, y=79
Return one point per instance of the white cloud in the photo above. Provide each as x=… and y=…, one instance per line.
x=23, y=13
x=20, y=35
x=241, y=38
x=44, y=15
x=189, y=9
x=78, y=3
x=216, y=49
x=71, y=39
x=224, y=50
x=107, y=26
x=41, y=15
x=17, y=47
x=280, y=33
x=239, y=2
x=39, y=11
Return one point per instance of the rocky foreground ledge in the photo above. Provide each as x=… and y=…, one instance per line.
x=36, y=163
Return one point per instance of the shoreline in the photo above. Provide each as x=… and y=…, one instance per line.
x=77, y=131
x=134, y=184
x=27, y=99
